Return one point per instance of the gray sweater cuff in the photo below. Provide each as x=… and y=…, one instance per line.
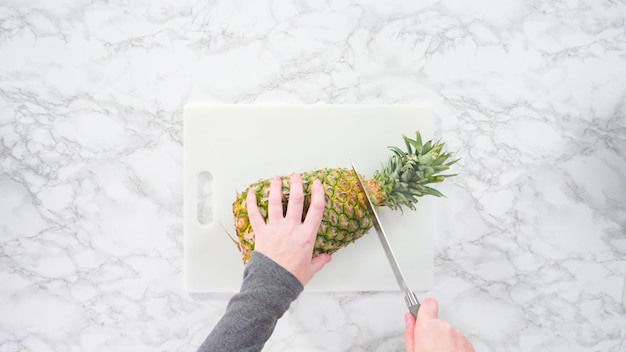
x=265, y=275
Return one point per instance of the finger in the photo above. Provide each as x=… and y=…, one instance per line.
x=296, y=198
x=429, y=309
x=316, y=209
x=275, y=200
x=409, y=339
x=256, y=219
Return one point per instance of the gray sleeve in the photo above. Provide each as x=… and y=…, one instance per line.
x=251, y=315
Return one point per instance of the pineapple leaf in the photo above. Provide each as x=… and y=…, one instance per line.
x=446, y=176
x=418, y=141
x=433, y=192
x=416, y=144
x=426, y=148
x=426, y=158
x=407, y=142
x=452, y=162
x=441, y=159
x=397, y=151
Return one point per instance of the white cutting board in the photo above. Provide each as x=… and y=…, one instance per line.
x=240, y=144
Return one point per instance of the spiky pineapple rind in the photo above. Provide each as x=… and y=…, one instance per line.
x=345, y=216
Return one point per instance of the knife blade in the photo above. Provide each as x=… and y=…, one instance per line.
x=409, y=297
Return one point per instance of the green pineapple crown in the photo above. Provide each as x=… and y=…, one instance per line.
x=407, y=173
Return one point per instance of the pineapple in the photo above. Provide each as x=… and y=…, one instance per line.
x=398, y=183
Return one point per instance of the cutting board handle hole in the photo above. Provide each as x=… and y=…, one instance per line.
x=205, y=195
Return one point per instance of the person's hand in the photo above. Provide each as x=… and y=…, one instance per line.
x=287, y=239
x=427, y=333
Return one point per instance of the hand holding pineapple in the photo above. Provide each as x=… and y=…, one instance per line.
x=287, y=239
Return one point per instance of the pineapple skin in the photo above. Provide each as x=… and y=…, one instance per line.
x=345, y=218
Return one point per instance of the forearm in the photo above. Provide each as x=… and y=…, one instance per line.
x=266, y=293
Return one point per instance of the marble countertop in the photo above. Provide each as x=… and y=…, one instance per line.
x=531, y=249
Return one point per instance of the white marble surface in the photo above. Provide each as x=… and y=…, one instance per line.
x=531, y=253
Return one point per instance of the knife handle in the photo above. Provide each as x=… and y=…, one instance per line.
x=413, y=309
x=412, y=302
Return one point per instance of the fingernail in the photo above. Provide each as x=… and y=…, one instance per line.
x=407, y=318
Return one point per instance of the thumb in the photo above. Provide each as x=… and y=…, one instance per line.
x=429, y=309
x=318, y=262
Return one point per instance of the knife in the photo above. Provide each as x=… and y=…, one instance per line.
x=409, y=297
